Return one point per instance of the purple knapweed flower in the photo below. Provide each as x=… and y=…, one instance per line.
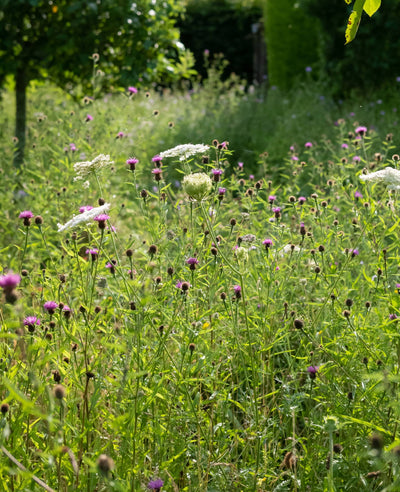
x=89, y=117
x=354, y=252
x=221, y=191
x=345, y=146
x=101, y=218
x=312, y=371
x=132, y=163
x=240, y=165
x=192, y=262
x=361, y=130
x=357, y=195
x=392, y=316
x=120, y=135
x=157, y=173
x=85, y=208
x=72, y=147
x=9, y=282
x=276, y=210
x=251, y=177
x=308, y=69
x=271, y=198
x=356, y=158
x=155, y=484
x=302, y=199
x=295, y=158
x=238, y=291
x=156, y=158
x=50, y=306
x=308, y=145
x=26, y=215
x=217, y=172
x=268, y=243
x=31, y=322
x=132, y=90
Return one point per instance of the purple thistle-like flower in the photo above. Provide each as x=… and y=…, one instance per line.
x=354, y=252
x=295, y=158
x=85, y=208
x=312, y=371
x=276, y=210
x=240, y=165
x=155, y=484
x=157, y=170
x=356, y=158
x=302, y=199
x=308, y=145
x=156, y=158
x=358, y=195
x=92, y=252
x=50, y=306
x=361, y=130
x=237, y=288
x=120, y=135
x=132, y=90
x=221, y=191
x=26, y=214
x=132, y=163
x=271, y=198
x=72, y=147
x=31, y=321
x=217, y=172
x=10, y=281
x=89, y=117
x=308, y=69
x=192, y=262
x=268, y=243
x=392, y=316
x=101, y=218
x=345, y=146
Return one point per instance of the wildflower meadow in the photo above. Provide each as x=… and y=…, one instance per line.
x=200, y=291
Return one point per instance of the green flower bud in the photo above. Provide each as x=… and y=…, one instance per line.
x=197, y=185
x=242, y=254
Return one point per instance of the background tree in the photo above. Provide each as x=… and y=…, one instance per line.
x=44, y=39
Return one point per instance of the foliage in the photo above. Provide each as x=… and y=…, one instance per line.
x=369, y=6
x=362, y=66
x=58, y=40
x=291, y=38
x=221, y=26
x=274, y=368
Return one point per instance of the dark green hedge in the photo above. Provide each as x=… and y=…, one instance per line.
x=292, y=41
x=220, y=26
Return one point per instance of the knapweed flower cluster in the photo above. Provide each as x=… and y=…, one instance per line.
x=184, y=151
x=84, y=217
x=389, y=176
x=197, y=185
x=85, y=168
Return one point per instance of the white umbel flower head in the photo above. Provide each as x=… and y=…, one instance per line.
x=84, y=168
x=184, y=151
x=84, y=217
x=197, y=185
x=389, y=176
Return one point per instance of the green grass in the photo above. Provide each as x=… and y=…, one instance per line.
x=209, y=388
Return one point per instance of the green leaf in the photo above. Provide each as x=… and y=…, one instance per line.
x=371, y=6
x=354, y=21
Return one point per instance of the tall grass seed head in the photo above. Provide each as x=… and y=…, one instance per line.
x=197, y=185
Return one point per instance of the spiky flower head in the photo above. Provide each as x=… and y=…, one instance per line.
x=197, y=185
x=10, y=281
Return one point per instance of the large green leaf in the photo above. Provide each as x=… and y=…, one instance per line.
x=354, y=21
x=371, y=6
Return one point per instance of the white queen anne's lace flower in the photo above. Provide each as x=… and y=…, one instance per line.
x=389, y=176
x=197, y=185
x=84, y=217
x=184, y=151
x=84, y=168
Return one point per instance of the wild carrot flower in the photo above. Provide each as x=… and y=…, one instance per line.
x=389, y=176
x=85, y=168
x=184, y=151
x=197, y=185
x=84, y=217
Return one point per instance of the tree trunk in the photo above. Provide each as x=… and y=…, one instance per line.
x=21, y=84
